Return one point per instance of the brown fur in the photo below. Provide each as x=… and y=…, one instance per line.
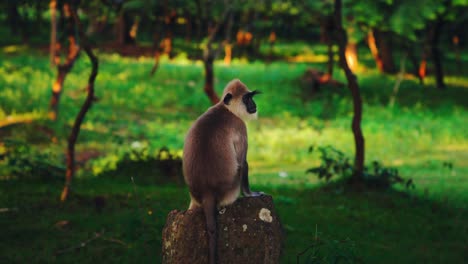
x=214, y=160
x=215, y=151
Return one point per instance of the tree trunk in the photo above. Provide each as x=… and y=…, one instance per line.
x=354, y=89
x=331, y=59
x=434, y=34
x=327, y=28
x=53, y=30
x=249, y=231
x=456, y=41
x=384, y=51
x=227, y=41
x=351, y=55
x=65, y=68
x=123, y=28
x=374, y=51
x=209, y=55
x=84, y=109
x=209, y=79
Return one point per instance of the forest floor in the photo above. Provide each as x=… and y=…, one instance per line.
x=122, y=194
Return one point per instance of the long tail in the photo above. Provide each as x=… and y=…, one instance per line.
x=209, y=207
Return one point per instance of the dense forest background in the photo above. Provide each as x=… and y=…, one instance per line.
x=361, y=137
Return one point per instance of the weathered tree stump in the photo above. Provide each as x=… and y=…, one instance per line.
x=249, y=231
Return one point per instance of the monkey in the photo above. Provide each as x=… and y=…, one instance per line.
x=214, y=161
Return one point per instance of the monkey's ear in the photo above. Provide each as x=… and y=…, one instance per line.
x=227, y=99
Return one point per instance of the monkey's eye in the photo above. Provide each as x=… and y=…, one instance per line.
x=227, y=99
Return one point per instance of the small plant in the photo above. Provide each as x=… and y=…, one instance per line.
x=335, y=163
x=25, y=162
x=329, y=251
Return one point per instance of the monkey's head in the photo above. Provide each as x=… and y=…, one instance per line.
x=239, y=100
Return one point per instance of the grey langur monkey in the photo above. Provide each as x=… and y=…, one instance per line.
x=214, y=160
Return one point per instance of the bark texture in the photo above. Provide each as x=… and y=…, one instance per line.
x=64, y=68
x=354, y=89
x=249, y=231
x=84, y=109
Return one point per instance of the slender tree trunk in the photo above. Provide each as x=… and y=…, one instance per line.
x=157, y=45
x=384, y=51
x=271, y=41
x=354, y=89
x=401, y=75
x=351, y=55
x=435, y=52
x=414, y=62
x=331, y=59
x=209, y=80
x=123, y=27
x=53, y=30
x=375, y=52
x=455, y=41
x=227, y=42
x=188, y=27
x=209, y=55
x=84, y=109
x=65, y=68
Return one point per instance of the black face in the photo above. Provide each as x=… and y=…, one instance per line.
x=249, y=103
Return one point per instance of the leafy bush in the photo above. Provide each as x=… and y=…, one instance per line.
x=24, y=162
x=335, y=163
x=141, y=164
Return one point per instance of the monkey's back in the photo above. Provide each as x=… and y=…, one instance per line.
x=215, y=146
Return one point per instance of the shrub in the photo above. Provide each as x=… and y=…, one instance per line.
x=334, y=163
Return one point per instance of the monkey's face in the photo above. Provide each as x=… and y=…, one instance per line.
x=249, y=103
x=243, y=106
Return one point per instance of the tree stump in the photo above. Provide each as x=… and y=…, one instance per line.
x=249, y=231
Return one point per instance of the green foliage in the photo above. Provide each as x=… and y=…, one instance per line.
x=335, y=163
x=141, y=166
x=330, y=251
x=18, y=160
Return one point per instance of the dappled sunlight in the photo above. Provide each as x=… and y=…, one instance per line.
x=312, y=58
x=14, y=49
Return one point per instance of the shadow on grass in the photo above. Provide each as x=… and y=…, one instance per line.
x=382, y=227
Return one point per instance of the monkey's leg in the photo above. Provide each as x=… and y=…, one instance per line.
x=209, y=207
x=245, y=182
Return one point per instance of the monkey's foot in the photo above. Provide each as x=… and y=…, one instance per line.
x=255, y=194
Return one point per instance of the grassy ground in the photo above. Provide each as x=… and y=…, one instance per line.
x=419, y=134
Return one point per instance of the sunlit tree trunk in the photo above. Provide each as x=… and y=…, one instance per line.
x=354, y=89
x=227, y=42
x=351, y=56
x=374, y=51
x=65, y=68
x=384, y=51
x=84, y=109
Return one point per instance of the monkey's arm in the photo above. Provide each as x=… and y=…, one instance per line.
x=245, y=186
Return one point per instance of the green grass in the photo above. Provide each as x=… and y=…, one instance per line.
x=424, y=129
